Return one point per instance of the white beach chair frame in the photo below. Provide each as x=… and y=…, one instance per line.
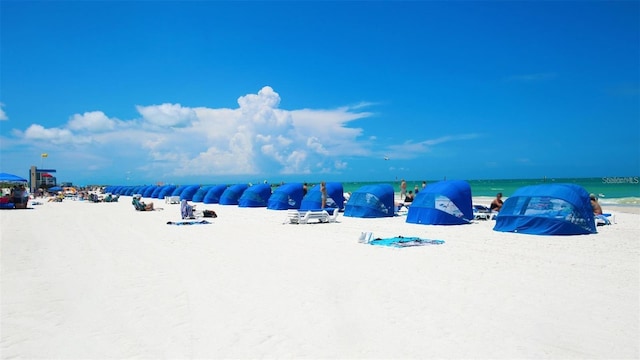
x=307, y=216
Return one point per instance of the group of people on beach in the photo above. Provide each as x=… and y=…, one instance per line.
x=18, y=197
x=410, y=195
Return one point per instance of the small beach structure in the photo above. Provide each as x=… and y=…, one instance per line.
x=149, y=191
x=178, y=190
x=442, y=203
x=188, y=192
x=156, y=192
x=54, y=189
x=286, y=196
x=313, y=199
x=167, y=190
x=213, y=194
x=255, y=196
x=547, y=209
x=200, y=194
x=371, y=201
x=232, y=194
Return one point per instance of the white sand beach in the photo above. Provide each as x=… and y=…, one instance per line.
x=101, y=280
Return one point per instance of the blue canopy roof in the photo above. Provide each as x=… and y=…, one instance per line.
x=286, y=196
x=213, y=195
x=156, y=192
x=371, y=201
x=166, y=191
x=255, y=196
x=200, y=194
x=149, y=191
x=442, y=203
x=142, y=189
x=6, y=177
x=232, y=194
x=188, y=192
x=547, y=209
x=178, y=191
x=313, y=199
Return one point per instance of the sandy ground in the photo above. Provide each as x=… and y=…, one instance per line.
x=95, y=281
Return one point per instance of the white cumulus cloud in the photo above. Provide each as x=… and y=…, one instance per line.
x=167, y=115
x=171, y=140
x=94, y=121
x=53, y=135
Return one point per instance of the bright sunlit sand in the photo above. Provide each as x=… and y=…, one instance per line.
x=101, y=280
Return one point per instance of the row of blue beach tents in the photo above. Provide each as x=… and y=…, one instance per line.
x=547, y=209
x=284, y=197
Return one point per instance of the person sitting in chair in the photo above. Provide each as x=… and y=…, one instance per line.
x=496, y=204
x=186, y=209
x=140, y=206
x=409, y=197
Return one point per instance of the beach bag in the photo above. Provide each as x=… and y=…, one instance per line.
x=209, y=214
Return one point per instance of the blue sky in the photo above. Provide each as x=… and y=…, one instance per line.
x=210, y=92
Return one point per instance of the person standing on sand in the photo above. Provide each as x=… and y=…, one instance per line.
x=323, y=194
x=403, y=189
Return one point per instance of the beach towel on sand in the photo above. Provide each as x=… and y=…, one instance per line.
x=401, y=241
x=188, y=222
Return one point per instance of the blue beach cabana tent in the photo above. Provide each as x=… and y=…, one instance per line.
x=547, y=209
x=199, y=195
x=143, y=189
x=286, y=196
x=214, y=194
x=167, y=190
x=442, y=203
x=313, y=199
x=149, y=191
x=255, y=196
x=187, y=194
x=371, y=201
x=156, y=192
x=232, y=194
x=178, y=190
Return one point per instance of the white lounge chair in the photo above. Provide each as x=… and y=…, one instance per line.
x=172, y=199
x=306, y=216
x=333, y=217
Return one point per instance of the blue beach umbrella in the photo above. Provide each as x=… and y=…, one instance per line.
x=6, y=177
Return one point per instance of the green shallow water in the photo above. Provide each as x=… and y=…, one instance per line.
x=617, y=190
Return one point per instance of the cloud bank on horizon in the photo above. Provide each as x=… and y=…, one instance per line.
x=170, y=141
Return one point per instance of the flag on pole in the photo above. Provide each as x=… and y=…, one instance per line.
x=44, y=155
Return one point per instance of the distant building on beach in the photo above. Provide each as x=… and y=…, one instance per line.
x=41, y=178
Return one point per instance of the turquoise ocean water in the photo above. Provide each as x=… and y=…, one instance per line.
x=623, y=191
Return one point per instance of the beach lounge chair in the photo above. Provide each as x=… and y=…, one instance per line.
x=172, y=199
x=307, y=216
x=333, y=217
x=604, y=219
x=481, y=212
x=140, y=206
